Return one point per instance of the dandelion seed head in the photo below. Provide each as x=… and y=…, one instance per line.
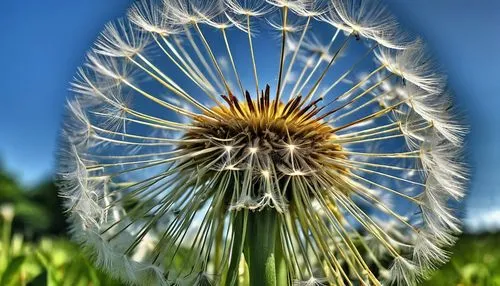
x=179, y=135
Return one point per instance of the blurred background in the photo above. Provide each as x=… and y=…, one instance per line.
x=43, y=42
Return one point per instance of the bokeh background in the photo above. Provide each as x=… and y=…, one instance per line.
x=43, y=42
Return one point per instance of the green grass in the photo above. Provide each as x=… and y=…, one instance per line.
x=56, y=261
x=475, y=261
x=50, y=261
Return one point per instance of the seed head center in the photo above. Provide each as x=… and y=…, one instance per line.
x=284, y=137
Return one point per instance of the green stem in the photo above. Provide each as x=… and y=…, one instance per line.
x=281, y=267
x=264, y=256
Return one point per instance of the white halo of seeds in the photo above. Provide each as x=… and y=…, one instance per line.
x=134, y=199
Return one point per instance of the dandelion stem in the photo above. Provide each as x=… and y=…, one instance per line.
x=281, y=264
x=261, y=249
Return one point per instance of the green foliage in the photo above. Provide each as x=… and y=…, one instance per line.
x=34, y=249
x=475, y=261
x=49, y=261
x=38, y=210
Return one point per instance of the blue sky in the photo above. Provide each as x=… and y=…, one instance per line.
x=44, y=41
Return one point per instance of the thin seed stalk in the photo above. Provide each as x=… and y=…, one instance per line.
x=263, y=251
x=219, y=233
x=239, y=231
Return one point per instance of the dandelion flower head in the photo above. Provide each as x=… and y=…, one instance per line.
x=206, y=135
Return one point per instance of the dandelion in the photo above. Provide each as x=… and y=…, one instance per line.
x=293, y=142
